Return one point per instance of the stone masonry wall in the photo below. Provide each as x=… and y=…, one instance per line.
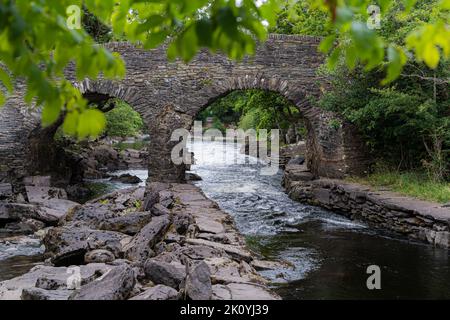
x=415, y=219
x=170, y=94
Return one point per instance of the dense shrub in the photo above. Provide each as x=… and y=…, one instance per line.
x=123, y=121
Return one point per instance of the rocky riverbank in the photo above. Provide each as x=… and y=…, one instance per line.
x=415, y=219
x=169, y=242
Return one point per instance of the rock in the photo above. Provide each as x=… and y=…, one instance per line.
x=19, y=211
x=25, y=226
x=140, y=246
x=42, y=294
x=262, y=265
x=241, y=291
x=165, y=198
x=220, y=292
x=99, y=256
x=152, y=194
x=169, y=274
x=159, y=210
x=127, y=178
x=92, y=214
x=159, y=292
x=160, y=248
x=234, y=251
x=198, y=282
x=40, y=195
x=298, y=160
x=182, y=221
x=68, y=245
x=16, y=246
x=206, y=224
x=47, y=277
x=37, y=181
x=62, y=206
x=6, y=191
x=193, y=177
x=116, y=284
x=199, y=252
x=173, y=238
x=130, y=224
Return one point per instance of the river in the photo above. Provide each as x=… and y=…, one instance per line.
x=329, y=253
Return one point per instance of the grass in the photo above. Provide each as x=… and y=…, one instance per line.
x=417, y=185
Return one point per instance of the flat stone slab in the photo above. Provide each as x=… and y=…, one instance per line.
x=49, y=278
x=240, y=253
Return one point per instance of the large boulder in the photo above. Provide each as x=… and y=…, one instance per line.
x=37, y=181
x=50, y=278
x=198, y=282
x=20, y=211
x=41, y=195
x=127, y=179
x=117, y=284
x=140, y=247
x=68, y=245
x=91, y=214
x=42, y=294
x=168, y=274
x=99, y=256
x=130, y=223
x=159, y=292
x=152, y=195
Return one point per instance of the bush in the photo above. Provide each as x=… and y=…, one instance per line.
x=123, y=121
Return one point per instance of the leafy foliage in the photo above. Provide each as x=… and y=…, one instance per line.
x=427, y=40
x=123, y=121
x=36, y=43
x=254, y=109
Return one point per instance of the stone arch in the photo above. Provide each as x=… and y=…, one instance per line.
x=44, y=156
x=169, y=94
x=331, y=151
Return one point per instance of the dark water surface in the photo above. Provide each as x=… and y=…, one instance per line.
x=330, y=253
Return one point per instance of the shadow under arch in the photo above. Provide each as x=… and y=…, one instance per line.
x=44, y=156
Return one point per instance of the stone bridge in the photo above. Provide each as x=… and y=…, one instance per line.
x=169, y=95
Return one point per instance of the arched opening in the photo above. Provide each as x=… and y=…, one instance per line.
x=256, y=109
x=89, y=167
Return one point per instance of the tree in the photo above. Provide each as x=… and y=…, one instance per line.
x=123, y=121
x=355, y=37
x=37, y=43
x=38, y=39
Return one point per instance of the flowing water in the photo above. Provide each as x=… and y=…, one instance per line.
x=329, y=253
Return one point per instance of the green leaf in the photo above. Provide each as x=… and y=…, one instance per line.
x=327, y=43
x=51, y=111
x=397, y=59
x=70, y=124
x=431, y=55
x=91, y=123
x=2, y=98
x=6, y=80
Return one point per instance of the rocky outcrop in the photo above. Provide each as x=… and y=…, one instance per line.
x=185, y=248
x=126, y=178
x=116, y=284
x=158, y=292
x=415, y=219
x=37, y=207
